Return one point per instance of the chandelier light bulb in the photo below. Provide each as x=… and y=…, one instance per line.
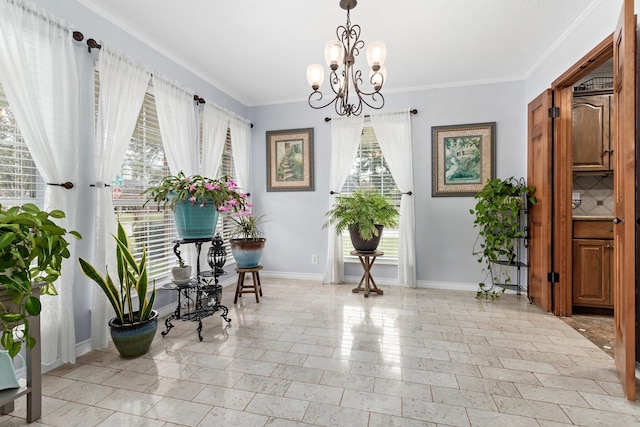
x=315, y=75
x=334, y=54
x=376, y=54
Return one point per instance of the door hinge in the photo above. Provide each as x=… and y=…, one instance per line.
x=553, y=277
x=554, y=112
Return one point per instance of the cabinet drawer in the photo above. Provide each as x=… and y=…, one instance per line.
x=592, y=229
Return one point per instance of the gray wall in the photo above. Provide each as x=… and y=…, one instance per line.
x=444, y=227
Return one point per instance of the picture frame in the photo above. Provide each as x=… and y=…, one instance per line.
x=463, y=158
x=290, y=160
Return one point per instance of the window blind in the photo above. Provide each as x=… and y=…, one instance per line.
x=145, y=165
x=20, y=181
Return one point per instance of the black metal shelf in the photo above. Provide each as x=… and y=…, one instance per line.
x=201, y=296
x=510, y=263
x=517, y=262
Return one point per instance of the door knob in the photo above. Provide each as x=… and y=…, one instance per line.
x=618, y=220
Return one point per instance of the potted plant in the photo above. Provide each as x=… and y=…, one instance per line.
x=181, y=273
x=32, y=247
x=497, y=217
x=364, y=213
x=132, y=331
x=248, y=242
x=196, y=201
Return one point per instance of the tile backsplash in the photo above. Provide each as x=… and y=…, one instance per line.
x=596, y=192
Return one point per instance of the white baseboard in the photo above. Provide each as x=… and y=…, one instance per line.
x=453, y=286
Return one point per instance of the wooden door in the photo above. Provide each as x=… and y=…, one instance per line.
x=539, y=176
x=624, y=72
x=590, y=133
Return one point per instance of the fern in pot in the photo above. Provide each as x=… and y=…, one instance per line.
x=364, y=213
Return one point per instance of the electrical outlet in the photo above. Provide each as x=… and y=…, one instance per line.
x=314, y=259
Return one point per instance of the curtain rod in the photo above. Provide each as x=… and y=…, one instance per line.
x=414, y=111
x=92, y=44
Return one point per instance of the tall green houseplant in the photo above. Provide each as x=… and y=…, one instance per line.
x=132, y=278
x=133, y=327
x=32, y=248
x=497, y=218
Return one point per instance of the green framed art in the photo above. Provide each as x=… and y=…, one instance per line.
x=290, y=160
x=463, y=158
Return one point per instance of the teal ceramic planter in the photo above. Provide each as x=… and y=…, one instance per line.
x=195, y=221
x=247, y=252
x=134, y=339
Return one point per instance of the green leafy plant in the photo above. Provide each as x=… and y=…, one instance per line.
x=364, y=209
x=132, y=277
x=497, y=218
x=223, y=192
x=247, y=226
x=32, y=247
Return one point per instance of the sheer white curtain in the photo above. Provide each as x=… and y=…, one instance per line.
x=123, y=85
x=38, y=74
x=345, y=138
x=178, y=125
x=215, y=122
x=240, y=130
x=393, y=131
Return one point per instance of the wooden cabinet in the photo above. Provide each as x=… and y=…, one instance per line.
x=592, y=264
x=591, y=133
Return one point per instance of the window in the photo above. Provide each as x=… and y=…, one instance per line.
x=20, y=181
x=144, y=165
x=370, y=171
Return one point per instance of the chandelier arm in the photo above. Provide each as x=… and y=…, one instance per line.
x=373, y=97
x=317, y=107
x=334, y=82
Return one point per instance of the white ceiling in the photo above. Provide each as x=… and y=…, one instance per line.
x=257, y=51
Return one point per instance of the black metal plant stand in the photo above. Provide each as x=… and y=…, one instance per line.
x=199, y=297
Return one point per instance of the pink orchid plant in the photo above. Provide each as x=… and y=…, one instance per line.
x=223, y=192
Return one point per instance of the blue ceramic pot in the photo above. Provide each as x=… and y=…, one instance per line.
x=195, y=221
x=134, y=339
x=247, y=252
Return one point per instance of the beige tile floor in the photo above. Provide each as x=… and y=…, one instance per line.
x=313, y=354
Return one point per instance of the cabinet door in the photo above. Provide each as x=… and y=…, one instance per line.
x=592, y=272
x=590, y=131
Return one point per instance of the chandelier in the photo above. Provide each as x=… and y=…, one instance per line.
x=344, y=51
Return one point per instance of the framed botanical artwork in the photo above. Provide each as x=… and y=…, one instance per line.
x=290, y=160
x=463, y=158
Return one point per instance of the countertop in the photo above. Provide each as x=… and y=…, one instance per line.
x=591, y=218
